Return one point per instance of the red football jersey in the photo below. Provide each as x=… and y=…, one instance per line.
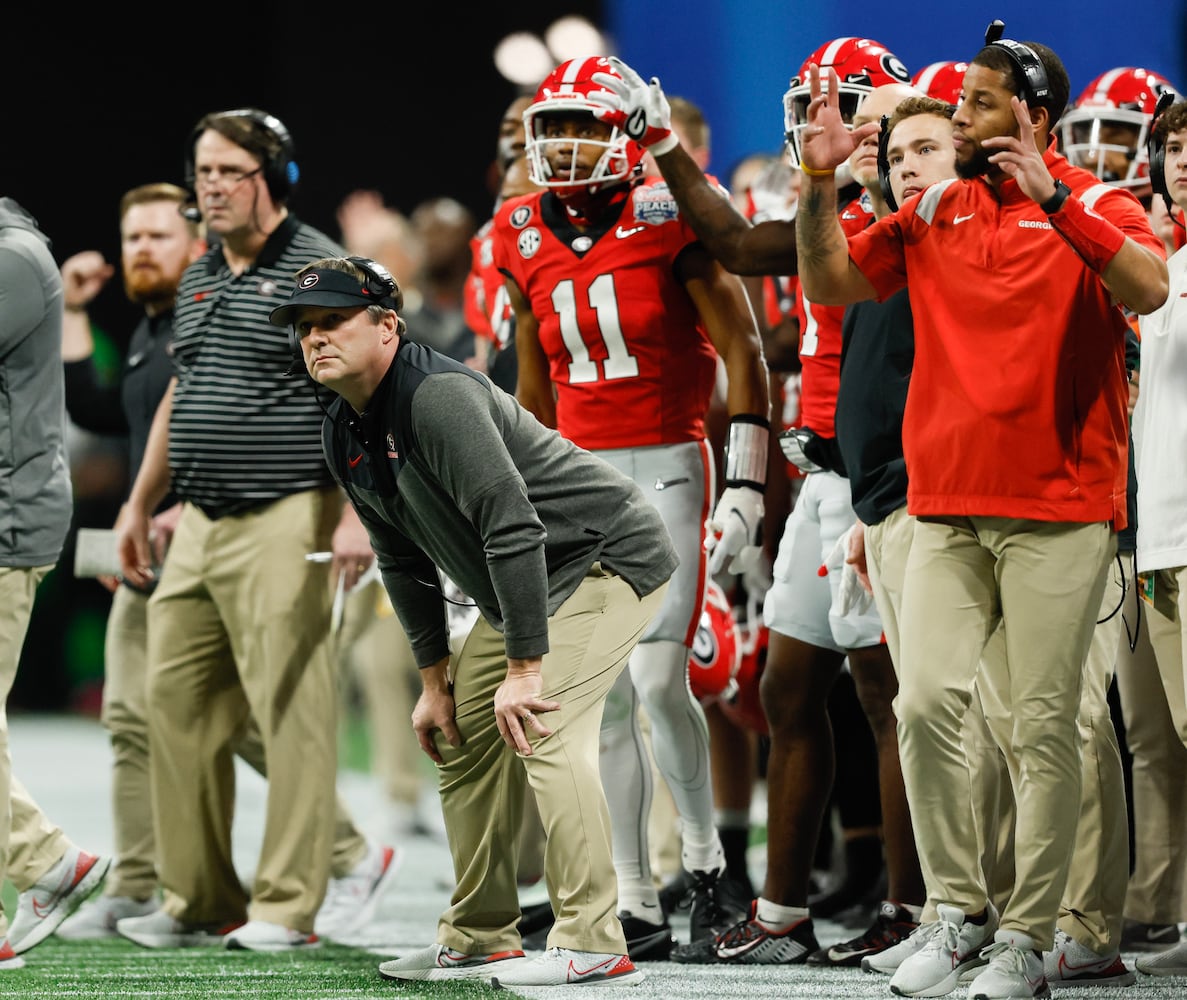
x=631, y=364
x=820, y=341
x=487, y=306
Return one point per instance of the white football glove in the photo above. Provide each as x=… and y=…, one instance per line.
x=732, y=533
x=639, y=109
x=852, y=597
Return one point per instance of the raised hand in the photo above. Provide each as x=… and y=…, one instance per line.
x=639, y=109
x=828, y=141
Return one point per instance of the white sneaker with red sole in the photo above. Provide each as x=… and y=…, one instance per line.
x=54, y=896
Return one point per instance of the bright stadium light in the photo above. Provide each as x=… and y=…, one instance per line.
x=524, y=58
x=571, y=37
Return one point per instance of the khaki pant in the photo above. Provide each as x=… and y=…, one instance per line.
x=29, y=843
x=483, y=781
x=1094, y=898
x=239, y=625
x=1159, y=879
x=1044, y=583
x=125, y=715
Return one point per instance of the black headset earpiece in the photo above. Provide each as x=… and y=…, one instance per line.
x=1036, y=90
x=281, y=172
x=379, y=281
x=884, y=166
x=1156, y=152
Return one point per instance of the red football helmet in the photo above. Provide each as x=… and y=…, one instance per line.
x=861, y=64
x=1106, y=130
x=941, y=80
x=566, y=90
x=716, y=652
x=745, y=707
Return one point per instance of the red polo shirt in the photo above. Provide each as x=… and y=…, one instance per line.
x=1016, y=406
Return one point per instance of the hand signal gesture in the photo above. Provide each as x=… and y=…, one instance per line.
x=828, y=141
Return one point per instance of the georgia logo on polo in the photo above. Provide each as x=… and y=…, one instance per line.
x=528, y=243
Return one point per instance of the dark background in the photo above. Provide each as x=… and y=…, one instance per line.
x=392, y=97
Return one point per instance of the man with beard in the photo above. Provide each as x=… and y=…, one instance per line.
x=1013, y=272
x=157, y=243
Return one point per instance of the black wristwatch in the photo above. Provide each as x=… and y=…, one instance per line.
x=1055, y=202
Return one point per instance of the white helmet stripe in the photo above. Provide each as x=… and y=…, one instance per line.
x=1105, y=82
x=830, y=54
x=928, y=76
x=572, y=73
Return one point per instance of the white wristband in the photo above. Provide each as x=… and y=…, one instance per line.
x=746, y=452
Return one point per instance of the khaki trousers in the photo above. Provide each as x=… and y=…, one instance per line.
x=1094, y=898
x=239, y=626
x=125, y=715
x=29, y=843
x=483, y=781
x=1044, y=583
x=1159, y=880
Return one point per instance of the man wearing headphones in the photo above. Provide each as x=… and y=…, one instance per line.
x=567, y=562
x=239, y=620
x=157, y=242
x=1019, y=260
x=1019, y=370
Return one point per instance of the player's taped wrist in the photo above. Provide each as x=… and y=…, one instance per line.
x=746, y=451
x=1095, y=239
x=665, y=145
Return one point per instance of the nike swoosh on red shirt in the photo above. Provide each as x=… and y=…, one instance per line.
x=355, y=461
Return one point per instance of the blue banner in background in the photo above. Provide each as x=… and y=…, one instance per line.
x=734, y=58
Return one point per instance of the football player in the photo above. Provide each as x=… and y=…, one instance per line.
x=811, y=632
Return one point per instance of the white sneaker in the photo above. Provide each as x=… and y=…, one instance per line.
x=97, y=918
x=159, y=930
x=1172, y=962
x=9, y=959
x=351, y=901
x=54, y=896
x=953, y=948
x=260, y=935
x=887, y=962
x=1070, y=963
x=1014, y=970
x=565, y=967
x=437, y=962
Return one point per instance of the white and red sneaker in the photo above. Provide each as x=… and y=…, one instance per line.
x=565, y=967
x=54, y=896
x=9, y=959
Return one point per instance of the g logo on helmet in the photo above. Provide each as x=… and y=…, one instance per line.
x=716, y=651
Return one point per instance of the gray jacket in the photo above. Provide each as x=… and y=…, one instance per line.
x=447, y=470
x=36, y=499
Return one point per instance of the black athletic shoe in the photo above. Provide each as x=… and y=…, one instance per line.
x=714, y=907
x=749, y=942
x=1137, y=936
x=645, y=941
x=893, y=924
x=534, y=924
